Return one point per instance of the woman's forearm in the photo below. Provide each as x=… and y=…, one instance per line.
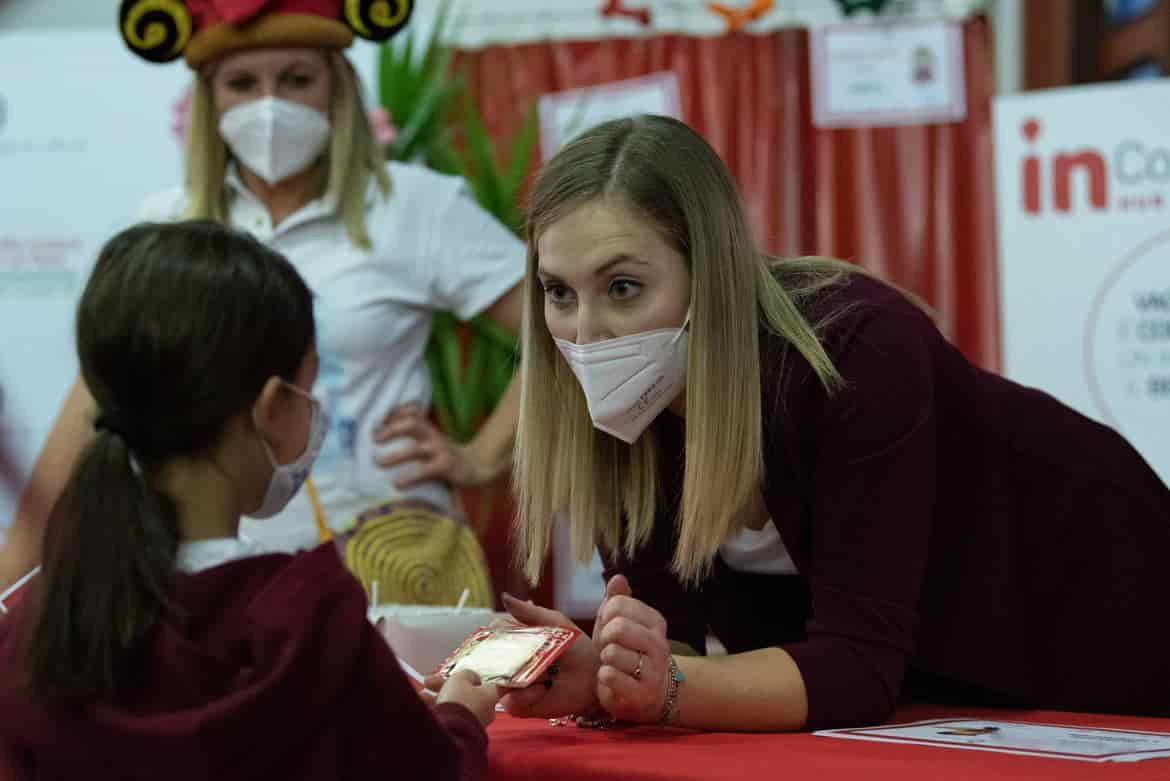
x=491, y=449
x=756, y=691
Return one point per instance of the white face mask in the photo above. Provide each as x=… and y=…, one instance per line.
x=287, y=479
x=628, y=381
x=275, y=138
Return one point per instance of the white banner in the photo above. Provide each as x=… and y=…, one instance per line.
x=87, y=130
x=1083, y=188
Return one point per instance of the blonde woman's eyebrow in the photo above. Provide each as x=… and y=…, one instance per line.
x=621, y=257
x=616, y=260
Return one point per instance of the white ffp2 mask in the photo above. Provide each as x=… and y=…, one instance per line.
x=275, y=138
x=628, y=381
x=287, y=479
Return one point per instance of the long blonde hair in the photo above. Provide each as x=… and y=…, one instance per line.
x=661, y=169
x=352, y=160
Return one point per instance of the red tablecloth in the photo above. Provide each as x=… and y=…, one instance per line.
x=532, y=749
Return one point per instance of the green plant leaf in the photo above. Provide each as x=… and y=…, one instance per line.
x=436, y=117
x=417, y=131
x=442, y=157
x=436, y=57
x=486, y=178
x=414, y=81
x=451, y=359
x=408, y=52
x=444, y=360
x=520, y=154
x=400, y=83
x=476, y=380
x=499, y=373
x=440, y=389
x=389, y=76
x=500, y=350
x=496, y=333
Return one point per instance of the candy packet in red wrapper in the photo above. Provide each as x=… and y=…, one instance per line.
x=514, y=656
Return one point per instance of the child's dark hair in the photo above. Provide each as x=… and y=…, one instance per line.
x=178, y=329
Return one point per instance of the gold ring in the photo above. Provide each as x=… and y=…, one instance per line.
x=638, y=669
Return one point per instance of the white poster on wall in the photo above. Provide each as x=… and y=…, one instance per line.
x=876, y=74
x=86, y=132
x=1083, y=190
x=565, y=115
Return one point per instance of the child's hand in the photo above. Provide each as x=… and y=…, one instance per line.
x=464, y=687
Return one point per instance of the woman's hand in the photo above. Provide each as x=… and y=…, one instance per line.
x=437, y=457
x=630, y=638
x=573, y=689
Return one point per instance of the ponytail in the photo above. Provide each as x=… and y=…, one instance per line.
x=178, y=329
x=109, y=552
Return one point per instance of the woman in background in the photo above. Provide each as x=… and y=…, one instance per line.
x=279, y=146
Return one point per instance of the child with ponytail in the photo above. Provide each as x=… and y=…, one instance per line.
x=156, y=642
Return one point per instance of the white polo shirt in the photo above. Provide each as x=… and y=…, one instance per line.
x=433, y=249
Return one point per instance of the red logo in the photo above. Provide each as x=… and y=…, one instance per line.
x=1061, y=169
x=1083, y=178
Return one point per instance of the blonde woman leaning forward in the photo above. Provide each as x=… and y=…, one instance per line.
x=790, y=456
x=279, y=146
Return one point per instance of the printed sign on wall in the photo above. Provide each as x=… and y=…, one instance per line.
x=1083, y=189
x=565, y=115
x=876, y=74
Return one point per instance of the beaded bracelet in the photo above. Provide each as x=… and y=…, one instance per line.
x=670, y=704
x=595, y=719
x=599, y=719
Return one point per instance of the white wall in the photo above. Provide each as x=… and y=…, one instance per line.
x=1007, y=25
x=57, y=14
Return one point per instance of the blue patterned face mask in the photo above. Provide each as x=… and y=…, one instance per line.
x=287, y=479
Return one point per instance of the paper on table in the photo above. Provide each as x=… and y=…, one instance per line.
x=1056, y=741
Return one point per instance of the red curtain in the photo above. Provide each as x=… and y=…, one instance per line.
x=914, y=204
